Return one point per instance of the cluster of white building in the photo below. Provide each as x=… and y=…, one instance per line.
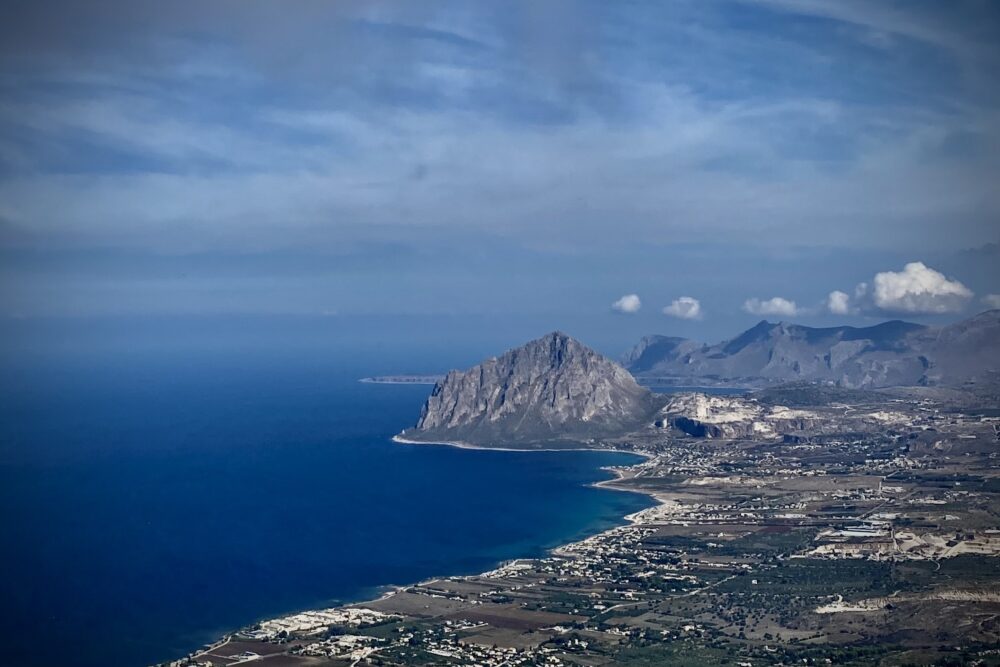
x=492, y=656
x=354, y=647
x=314, y=622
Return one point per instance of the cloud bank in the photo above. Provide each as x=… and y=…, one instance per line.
x=485, y=153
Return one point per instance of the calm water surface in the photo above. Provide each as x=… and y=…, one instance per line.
x=149, y=505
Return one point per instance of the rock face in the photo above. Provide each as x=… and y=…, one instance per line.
x=551, y=389
x=893, y=353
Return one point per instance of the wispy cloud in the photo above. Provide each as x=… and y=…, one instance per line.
x=955, y=30
x=460, y=106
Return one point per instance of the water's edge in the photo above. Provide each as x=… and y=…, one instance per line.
x=388, y=590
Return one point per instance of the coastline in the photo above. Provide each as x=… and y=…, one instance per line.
x=394, y=589
x=467, y=445
x=402, y=379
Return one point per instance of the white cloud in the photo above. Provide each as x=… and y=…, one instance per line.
x=686, y=308
x=773, y=306
x=992, y=300
x=838, y=303
x=629, y=303
x=918, y=289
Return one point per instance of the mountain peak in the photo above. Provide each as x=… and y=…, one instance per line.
x=760, y=331
x=551, y=388
x=555, y=339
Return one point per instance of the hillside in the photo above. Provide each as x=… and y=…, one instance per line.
x=893, y=353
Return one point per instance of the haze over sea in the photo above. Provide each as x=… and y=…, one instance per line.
x=154, y=496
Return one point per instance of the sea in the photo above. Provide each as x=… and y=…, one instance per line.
x=151, y=502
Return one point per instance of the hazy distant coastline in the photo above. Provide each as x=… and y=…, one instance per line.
x=402, y=379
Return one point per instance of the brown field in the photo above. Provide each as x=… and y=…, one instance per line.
x=420, y=606
x=506, y=638
x=515, y=618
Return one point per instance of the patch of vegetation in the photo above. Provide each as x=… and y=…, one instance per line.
x=806, y=394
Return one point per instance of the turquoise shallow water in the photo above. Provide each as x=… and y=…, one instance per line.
x=150, y=505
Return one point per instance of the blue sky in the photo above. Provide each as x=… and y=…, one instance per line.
x=529, y=162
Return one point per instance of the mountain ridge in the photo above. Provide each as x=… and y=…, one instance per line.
x=891, y=353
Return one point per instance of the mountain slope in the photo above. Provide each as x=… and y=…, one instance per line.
x=653, y=350
x=550, y=389
x=893, y=353
x=964, y=352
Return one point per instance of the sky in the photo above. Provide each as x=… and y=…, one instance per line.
x=500, y=169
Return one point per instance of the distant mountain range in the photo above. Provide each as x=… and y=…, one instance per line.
x=893, y=353
x=551, y=389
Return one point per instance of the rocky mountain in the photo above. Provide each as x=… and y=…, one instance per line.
x=962, y=353
x=893, y=353
x=549, y=390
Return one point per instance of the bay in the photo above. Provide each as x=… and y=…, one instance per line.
x=151, y=504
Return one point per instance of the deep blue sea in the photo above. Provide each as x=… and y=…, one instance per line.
x=149, y=504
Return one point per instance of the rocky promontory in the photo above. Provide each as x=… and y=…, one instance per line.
x=550, y=391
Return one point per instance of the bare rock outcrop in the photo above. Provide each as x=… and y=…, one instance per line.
x=551, y=390
x=706, y=416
